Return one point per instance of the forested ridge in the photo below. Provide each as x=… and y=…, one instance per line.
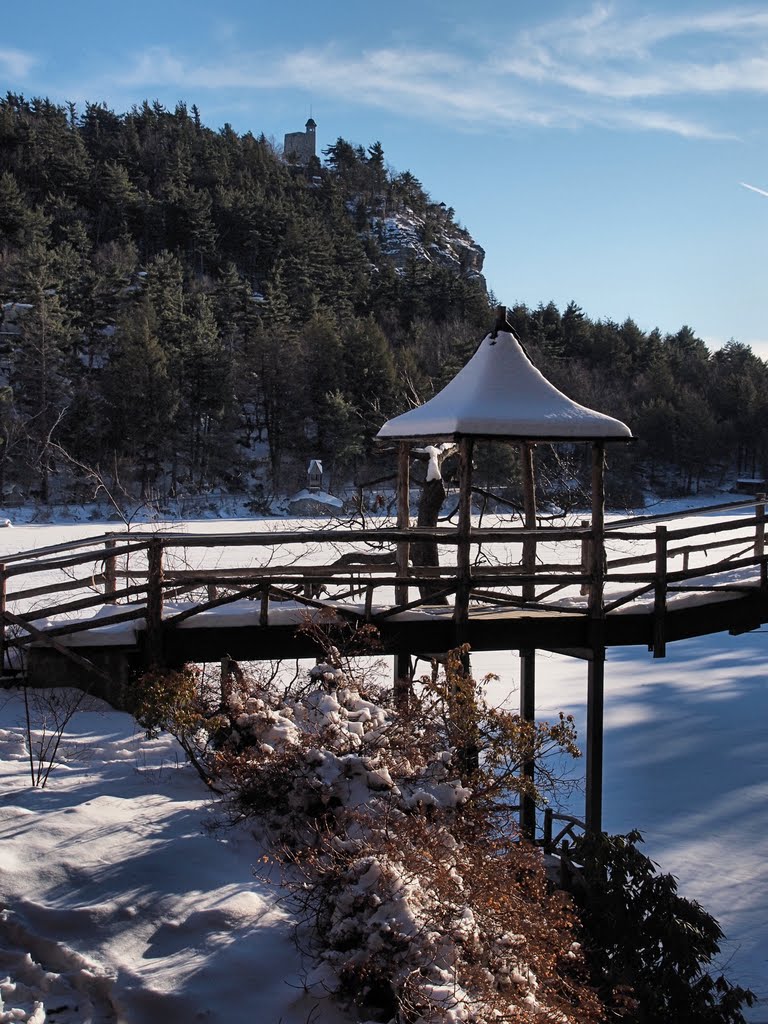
x=183, y=309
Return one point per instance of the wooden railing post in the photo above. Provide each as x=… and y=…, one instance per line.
x=110, y=573
x=565, y=874
x=264, y=609
x=660, y=594
x=760, y=540
x=547, y=830
x=155, y=602
x=3, y=602
x=586, y=558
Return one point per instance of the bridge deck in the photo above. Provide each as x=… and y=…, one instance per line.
x=171, y=597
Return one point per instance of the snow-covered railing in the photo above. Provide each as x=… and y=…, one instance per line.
x=129, y=575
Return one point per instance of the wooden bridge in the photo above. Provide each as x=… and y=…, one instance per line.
x=98, y=608
x=660, y=583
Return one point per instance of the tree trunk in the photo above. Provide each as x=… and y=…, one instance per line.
x=430, y=502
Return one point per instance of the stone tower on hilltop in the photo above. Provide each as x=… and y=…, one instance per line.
x=299, y=147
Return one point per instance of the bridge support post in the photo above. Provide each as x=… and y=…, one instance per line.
x=528, y=714
x=3, y=603
x=596, y=667
x=402, y=660
x=154, y=613
x=595, y=711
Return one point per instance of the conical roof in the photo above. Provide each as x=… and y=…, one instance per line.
x=500, y=393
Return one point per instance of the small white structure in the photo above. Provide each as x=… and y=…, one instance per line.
x=315, y=475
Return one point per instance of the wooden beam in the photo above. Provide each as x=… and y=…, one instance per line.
x=529, y=517
x=110, y=570
x=660, y=594
x=49, y=641
x=402, y=665
x=3, y=592
x=528, y=714
x=597, y=549
x=595, y=713
x=155, y=603
x=463, y=551
x=760, y=540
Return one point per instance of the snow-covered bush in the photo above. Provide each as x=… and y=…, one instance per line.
x=424, y=904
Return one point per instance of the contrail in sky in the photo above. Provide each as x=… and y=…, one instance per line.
x=754, y=188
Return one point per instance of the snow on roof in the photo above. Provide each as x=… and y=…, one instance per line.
x=500, y=393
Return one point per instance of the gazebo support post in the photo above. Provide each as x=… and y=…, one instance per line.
x=528, y=714
x=528, y=656
x=463, y=548
x=597, y=567
x=529, y=517
x=596, y=670
x=402, y=555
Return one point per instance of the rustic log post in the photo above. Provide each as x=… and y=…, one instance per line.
x=594, y=744
x=264, y=608
x=155, y=602
x=760, y=540
x=596, y=666
x=565, y=874
x=402, y=557
x=463, y=548
x=225, y=679
x=212, y=591
x=529, y=518
x=660, y=594
x=110, y=573
x=3, y=603
x=598, y=529
x=403, y=516
x=586, y=559
x=547, y=835
x=528, y=714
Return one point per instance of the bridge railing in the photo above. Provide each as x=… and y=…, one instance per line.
x=138, y=575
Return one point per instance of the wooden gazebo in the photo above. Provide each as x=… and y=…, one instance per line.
x=500, y=395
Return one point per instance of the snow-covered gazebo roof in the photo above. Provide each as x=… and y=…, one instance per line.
x=500, y=393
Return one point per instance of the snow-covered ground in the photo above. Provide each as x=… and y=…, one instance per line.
x=114, y=911
x=119, y=902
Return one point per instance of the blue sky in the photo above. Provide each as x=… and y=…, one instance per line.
x=594, y=150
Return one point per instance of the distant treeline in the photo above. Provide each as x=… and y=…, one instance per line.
x=184, y=310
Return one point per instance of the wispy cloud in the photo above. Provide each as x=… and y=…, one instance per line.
x=608, y=54
x=754, y=188
x=642, y=72
x=16, y=63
